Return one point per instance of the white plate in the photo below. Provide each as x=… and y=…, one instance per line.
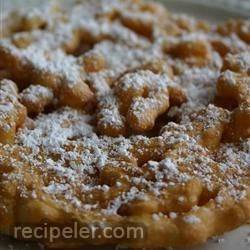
x=213, y=10
x=236, y=240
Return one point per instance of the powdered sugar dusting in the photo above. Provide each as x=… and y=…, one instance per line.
x=182, y=166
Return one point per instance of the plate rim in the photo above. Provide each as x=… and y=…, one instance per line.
x=228, y=7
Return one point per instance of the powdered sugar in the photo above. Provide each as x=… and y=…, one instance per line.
x=35, y=93
x=191, y=219
x=81, y=171
x=52, y=131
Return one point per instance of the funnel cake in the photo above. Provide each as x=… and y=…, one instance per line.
x=117, y=113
